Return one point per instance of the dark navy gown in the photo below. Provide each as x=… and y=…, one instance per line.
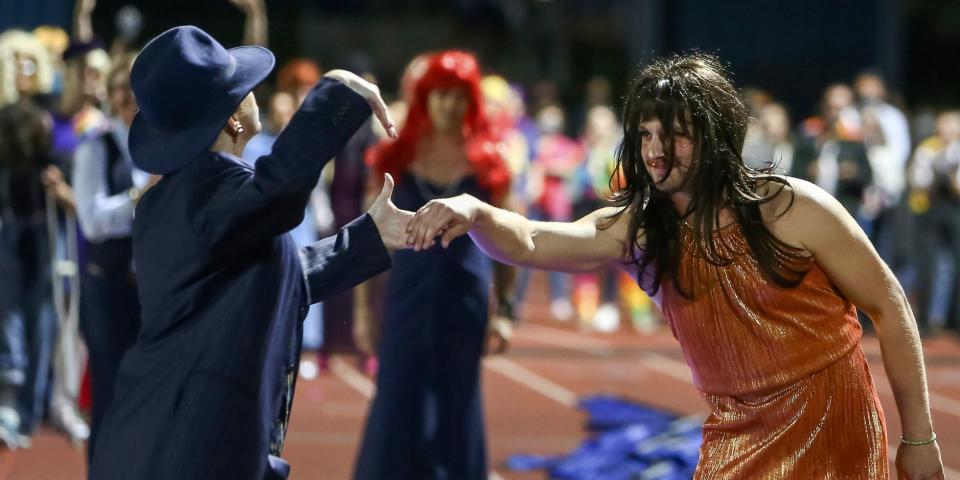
x=426, y=421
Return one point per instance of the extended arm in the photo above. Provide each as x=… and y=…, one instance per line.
x=510, y=238
x=249, y=209
x=337, y=263
x=255, y=21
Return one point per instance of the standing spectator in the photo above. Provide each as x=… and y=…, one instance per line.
x=552, y=185
x=935, y=200
x=107, y=188
x=25, y=67
x=887, y=138
x=426, y=420
x=27, y=317
x=769, y=141
x=831, y=152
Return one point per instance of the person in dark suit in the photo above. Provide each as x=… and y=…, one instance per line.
x=206, y=390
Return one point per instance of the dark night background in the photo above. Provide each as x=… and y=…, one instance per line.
x=792, y=49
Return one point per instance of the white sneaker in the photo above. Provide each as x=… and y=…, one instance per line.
x=561, y=309
x=308, y=370
x=66, y=419
x=607, y=318
x=9, y=428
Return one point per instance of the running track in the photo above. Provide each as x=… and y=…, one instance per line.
x=530, y=395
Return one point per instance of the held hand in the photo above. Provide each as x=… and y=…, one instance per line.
x=371, y=93
x=919, y=462
x=390, y=220
x=451, y=217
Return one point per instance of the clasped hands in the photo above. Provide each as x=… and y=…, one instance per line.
x=446, y=218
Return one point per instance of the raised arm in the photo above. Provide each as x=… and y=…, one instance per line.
x=82, y=26
x=255, y=21
x=507, y=237
x=249, y=209
x=820, y=225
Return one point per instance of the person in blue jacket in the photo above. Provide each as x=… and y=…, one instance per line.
x=206, y=390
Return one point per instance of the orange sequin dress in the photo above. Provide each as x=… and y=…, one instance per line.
x=782, y=370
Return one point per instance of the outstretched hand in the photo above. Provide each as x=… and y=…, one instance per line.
x=449, y=217
x=371, y=93
x=390, y=220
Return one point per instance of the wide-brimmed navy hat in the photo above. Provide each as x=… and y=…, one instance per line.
x=187, y=86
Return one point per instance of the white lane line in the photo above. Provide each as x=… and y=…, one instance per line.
x=533, y=381
x=565, y=339
x=600, y=348
x=681, y=371
x=352, y=377
x=944, y=404
x=668, y=366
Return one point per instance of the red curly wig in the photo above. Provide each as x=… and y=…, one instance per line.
x=446, y=70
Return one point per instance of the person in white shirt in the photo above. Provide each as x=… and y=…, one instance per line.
x=107, y=187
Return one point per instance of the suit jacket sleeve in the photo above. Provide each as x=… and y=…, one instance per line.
x=249, y=209
x=340, y=262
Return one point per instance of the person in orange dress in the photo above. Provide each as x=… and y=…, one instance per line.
x=758, y=275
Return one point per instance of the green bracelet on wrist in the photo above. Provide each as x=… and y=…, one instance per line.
x=919, y=442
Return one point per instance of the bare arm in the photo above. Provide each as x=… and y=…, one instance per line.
x=507, y=237
x=82, y=26
x=821, y=225
x=255, y=24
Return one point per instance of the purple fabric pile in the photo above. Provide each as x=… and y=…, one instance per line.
x=628, y=442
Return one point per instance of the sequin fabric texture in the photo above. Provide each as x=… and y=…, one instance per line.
x=781, y=369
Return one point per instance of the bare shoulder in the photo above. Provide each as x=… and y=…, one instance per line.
x=799, y=211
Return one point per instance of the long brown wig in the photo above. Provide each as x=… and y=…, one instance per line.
x=694, y=92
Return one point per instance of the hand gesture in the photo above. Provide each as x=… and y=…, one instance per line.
x=919, y=462
x=390, y=220
x=371, y=93
x=450, y=217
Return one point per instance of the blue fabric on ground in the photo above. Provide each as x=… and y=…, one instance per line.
x=630, y=442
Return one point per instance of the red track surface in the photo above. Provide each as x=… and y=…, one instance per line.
x=529, y=395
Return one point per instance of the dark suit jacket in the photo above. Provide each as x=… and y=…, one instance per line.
x=204, y=393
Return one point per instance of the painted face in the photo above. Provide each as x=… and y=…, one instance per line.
x=447, y=109
x=654, y=154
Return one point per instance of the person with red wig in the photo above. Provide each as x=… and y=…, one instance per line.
x=426, y=420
